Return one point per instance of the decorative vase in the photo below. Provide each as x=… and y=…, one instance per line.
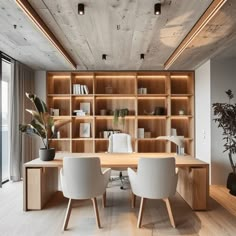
x=46, y=154
x=231, y=183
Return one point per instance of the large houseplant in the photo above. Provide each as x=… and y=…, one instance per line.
x=226, y=119
x=42, y=125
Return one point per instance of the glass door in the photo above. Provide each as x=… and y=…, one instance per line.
x=5, y=76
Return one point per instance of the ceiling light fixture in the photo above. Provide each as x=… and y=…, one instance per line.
x=197, y=28
x=157, y=9
x=104, y=56
x=142, y=56
x=35, y=18
x=81, y=9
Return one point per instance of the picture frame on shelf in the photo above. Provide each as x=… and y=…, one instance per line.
x=84, y=130
x=85, y=107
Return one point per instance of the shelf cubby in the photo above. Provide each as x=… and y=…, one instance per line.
x=181, y=103
x=110, y=104
x=77, y=121
x=83, y=78
x=182, y=126
x=61, y=145
x=147, y=105
x=77, y=102
x=181, y=83
x=62, y=103
x=59, y=83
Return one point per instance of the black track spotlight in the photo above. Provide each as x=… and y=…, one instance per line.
x=81, y=9
x=142, y=56
x=104, y=56
x=157, y=9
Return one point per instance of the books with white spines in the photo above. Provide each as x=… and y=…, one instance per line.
x=140, y=132
x=86, y=89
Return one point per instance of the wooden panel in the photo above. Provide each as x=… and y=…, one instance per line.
x=61, y=145
x=101, y=145
x=58, y=83
x=151, y=146
x=34, y=184
x=82, y=146
x=193, y=187
x=120, y=84
x=49, y=184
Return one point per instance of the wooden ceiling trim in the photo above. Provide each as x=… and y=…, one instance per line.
x=36, y=19
x=201, y=23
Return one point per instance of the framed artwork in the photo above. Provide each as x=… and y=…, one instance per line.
x=85, y=107
x=84, y=130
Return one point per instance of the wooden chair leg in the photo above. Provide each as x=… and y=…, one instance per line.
x=140, y=215
x=169, y=212
x=133, y=200
x=95, y=207
x=67, y=216
x=104, y=196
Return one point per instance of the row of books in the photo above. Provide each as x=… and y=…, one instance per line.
x=80, y=89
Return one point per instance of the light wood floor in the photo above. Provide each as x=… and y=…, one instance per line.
x=117, y=219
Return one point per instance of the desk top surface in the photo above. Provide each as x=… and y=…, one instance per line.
x=119, y=160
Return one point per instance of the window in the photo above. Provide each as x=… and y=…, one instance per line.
x=4, y=113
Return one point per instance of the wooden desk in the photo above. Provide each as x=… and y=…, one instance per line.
x=41, y=178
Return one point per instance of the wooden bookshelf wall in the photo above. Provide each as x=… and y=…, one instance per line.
x=172, y=91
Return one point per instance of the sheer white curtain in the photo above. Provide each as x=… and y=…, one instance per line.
x=20, y=146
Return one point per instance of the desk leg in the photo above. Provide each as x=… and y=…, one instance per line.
x=193, y=186
x=25, y=188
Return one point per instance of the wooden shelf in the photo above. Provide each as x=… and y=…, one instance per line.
x=153, y=99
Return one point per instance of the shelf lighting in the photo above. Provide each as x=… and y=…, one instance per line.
x=214, y=7
x=151, y=77
x=60, y=77
x=35, y=18
x=179, y=76
x=114, y=76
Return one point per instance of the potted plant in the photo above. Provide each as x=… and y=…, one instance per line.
x=226, y=119
x=120, y=113
x=42, y=125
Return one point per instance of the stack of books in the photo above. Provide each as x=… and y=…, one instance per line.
x=80, y=89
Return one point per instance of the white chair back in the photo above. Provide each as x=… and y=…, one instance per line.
x=81, y=177
x=156, y=178
x=120, y=143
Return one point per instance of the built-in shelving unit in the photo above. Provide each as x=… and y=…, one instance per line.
x=156, y=101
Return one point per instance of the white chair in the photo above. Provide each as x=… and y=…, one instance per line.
x=120, y=143
x=156, y=178
x=81, y=178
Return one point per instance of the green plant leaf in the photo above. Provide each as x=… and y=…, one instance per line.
x=39, y=104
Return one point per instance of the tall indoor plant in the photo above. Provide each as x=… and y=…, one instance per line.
x=226, y=119
x=42, y=125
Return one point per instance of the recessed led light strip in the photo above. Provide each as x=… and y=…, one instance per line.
x=35, y=18
x=197, y=28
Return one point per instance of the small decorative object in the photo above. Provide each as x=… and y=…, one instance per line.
x=108, y=90
x=147, y=134
x=58, y=134
x=151, y=113
x=181, y=112
x=103, y=112
x=54, y=112
x=173, y=132
x=226, y=119
x=79, y=112
x=85, y=107
x=140, y=132
x=159, y=111
x=42, y=125
x=84, y=130
x=142, y=90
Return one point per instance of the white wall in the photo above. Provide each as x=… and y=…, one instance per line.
x=40, y=84
x=222, y=78
x=203, y=113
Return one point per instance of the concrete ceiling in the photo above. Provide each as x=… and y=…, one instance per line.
x=122, y=29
